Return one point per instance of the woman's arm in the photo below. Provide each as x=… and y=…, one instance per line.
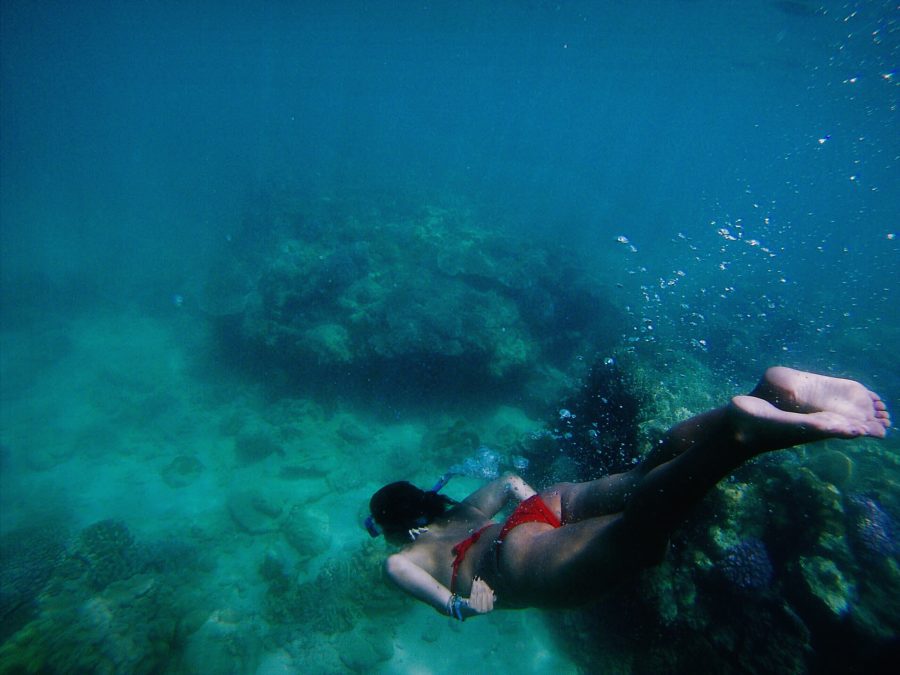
x=422, y=586
x=493, y=496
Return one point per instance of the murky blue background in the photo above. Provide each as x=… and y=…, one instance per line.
x=132, y=132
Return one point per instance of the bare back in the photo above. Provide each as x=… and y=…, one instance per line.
x=433, y=551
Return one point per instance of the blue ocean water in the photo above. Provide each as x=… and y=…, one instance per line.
x=245, y=247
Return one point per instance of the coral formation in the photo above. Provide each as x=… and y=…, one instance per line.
x=748, y=566
x=773, y=563
x=109, y=551
x=429, y=296
x=28, y=557
x=873, y=529
x=594, y=430
x=111, y=605
x=347, y=588
x=826, y=583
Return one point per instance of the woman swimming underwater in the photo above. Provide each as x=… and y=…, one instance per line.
x=569, y=543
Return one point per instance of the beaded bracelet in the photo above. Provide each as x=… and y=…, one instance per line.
x=454, y=607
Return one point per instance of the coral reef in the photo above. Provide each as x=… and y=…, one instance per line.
x=428, y=296
x=28, y=557
x=748, y=566
x=129, y=627
x=598, y=424
x=107, y=547
x=594, y=430
x=826, y=583
x=873, y=529
x=784, y=567
x=111, y=605
x=347, y=588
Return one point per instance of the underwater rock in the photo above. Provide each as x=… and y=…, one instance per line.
x=449, y=443
x=182, y=471
x=747, y=566
x=307, y=531
x=362, y=653
x=466, y=258
x=277, y=663
x=789, y=490
x=414, y=299
x=226, y=643
x=253, y=512
x=832, y=466
x=510, y=353
x=330, y=343
x=256, y=443
x=563, y=469
x=508, y=427
x=827, y=584
x=351, y=432
x=873, y=529
x=658, y=590
x=739, y=513
x=273, y=570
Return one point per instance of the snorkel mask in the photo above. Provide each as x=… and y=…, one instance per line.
x=372, y=527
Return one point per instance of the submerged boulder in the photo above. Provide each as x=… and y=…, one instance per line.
x=182, y=471
x=431, y=297
x=253, y=512
x=308, y=531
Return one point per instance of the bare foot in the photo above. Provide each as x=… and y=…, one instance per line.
x=761, y=426
x=800, y=392
x=790, y=407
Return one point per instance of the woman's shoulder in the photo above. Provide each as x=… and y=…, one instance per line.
x=461, y=520
x=461, y=511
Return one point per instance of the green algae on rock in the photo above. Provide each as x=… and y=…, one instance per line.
x=826, y=582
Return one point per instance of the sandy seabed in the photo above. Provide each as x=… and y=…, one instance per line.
x=120, y=418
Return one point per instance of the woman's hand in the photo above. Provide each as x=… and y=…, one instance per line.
x=481, y=597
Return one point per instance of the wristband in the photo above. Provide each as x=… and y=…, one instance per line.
x=455, y=606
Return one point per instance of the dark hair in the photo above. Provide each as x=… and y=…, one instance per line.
x=401, y=506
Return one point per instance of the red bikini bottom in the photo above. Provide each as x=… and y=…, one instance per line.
x=532, y=510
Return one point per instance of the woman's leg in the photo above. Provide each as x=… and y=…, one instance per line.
x=608, y=495
x=558, y=566
x=784, y=388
